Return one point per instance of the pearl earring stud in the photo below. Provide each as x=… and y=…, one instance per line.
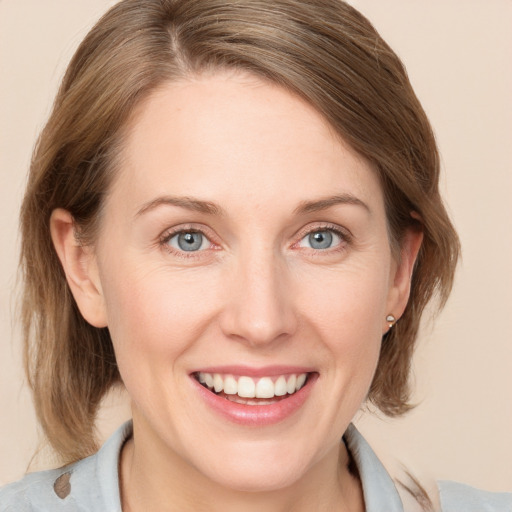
x=390, y=319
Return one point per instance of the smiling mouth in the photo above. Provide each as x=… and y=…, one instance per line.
x=252, y=391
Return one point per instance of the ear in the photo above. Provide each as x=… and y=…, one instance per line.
x=80, y=266
x=401, y=274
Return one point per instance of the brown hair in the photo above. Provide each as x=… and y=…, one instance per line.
x=324, y=51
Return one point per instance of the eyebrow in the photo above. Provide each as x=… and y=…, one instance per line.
x=189, y=203
x=209, y=208
x=328, y=202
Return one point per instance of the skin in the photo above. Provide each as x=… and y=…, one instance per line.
x=255, y=294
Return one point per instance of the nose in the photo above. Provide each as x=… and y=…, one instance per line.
x=259, y=308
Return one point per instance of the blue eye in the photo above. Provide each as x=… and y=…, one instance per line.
x=188, y=241
x=321, y=240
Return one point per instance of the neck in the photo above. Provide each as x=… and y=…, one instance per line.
x=155, y=478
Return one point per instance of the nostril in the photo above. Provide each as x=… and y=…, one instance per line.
x=260, y=311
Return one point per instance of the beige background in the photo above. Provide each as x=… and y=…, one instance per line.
x=459, y=57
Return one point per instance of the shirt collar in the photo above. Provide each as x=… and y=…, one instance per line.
x=378, y=487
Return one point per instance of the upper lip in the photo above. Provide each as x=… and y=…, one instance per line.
x=252, y=371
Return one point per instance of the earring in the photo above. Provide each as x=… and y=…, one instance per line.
x=390, y=319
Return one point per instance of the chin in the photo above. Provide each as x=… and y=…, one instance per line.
x=261, y=470
x=258, y=480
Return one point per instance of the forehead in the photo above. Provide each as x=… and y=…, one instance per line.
x=228, y=137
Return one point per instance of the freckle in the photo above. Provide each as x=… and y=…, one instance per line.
x=62, y=487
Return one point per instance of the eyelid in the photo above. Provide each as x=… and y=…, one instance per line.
x=336, y=239
x=173, y=241
x=342, y=232
x=168, y=234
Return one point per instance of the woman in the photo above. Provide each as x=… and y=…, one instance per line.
x=233, y=210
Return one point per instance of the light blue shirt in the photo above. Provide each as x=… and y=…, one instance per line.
x=92, y=484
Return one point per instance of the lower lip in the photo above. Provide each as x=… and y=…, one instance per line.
x=257, y=415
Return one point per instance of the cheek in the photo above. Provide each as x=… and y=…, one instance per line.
x=347, y=315
x=153, y=318
x=349, y=305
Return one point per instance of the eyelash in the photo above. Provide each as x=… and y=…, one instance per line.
x=168, y=235
x=344, y=235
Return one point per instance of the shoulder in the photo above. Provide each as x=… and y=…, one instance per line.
x=457, y=497
x=382, y=492
x=37, y=491
x=88, y=485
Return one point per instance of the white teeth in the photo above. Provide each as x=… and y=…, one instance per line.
x=248, y=387
x=301, y=379
x=208, y=379
x=230, y=385
x=291, y=384
x=265, y=388
x=280, y=388
x=218, y=383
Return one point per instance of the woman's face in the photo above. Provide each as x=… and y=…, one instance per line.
x=243, y=246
